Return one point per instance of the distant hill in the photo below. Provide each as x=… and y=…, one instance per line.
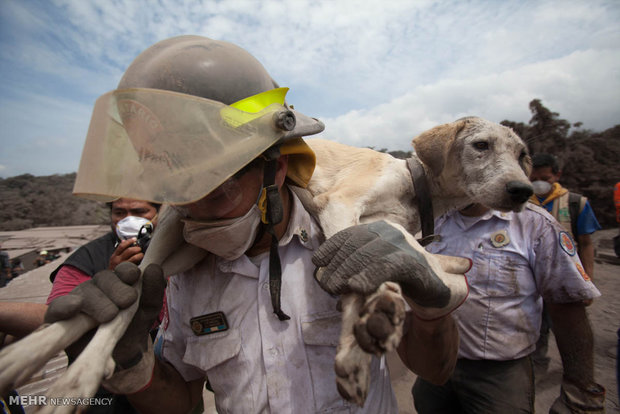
x=27, y=201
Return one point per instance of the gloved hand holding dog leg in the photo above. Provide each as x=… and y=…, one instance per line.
x=361, y=258
x=379, y=259
x=101, y=298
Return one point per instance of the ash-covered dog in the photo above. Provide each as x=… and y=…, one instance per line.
x=471, y=160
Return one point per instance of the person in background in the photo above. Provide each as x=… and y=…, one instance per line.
x=571, y=210
x=574, y=213
x=129, y=219
x=17, y=268
x=519, y=259
x=617, y=205
x=17, y=319
x=5, y=268
x=41, y=260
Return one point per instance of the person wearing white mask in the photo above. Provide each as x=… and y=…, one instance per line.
x=574, y=213
x=129, y=219
x=572, y=210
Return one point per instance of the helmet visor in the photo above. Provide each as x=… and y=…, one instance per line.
x=168, y=147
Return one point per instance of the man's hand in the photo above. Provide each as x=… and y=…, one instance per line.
x=102, y=298
x=360, y=258
x=126, y=251
x=575, y=400
x=573, y=335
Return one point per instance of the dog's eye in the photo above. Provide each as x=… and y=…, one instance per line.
x=481, y=145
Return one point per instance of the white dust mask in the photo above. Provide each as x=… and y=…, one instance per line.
x=541, y=187
x=130, y=226
x=226, y=238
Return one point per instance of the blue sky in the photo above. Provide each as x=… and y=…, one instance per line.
x=376, y=72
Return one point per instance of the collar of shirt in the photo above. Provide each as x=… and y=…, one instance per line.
x=466, y=222
x=300, y=226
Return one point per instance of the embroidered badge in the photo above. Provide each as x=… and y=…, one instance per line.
x=566, y=243
x=208, y=324
x=165, y=319
x=582, y=272
x=500, y=238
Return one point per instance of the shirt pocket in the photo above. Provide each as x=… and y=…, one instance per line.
x=220, y=356
x=320, y=334
x=504, y=274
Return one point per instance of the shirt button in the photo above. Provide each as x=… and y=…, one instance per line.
x=266, y=285
x=303, y=234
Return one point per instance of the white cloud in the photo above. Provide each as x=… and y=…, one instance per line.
x=572, y=86
x=378, y=72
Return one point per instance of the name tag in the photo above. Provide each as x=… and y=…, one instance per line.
x=209, y=323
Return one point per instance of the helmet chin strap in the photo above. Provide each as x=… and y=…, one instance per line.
x=273, y=216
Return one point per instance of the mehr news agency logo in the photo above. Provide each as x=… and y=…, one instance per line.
x=40, y=400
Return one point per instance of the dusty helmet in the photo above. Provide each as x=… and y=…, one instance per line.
x=188, y=113
x=198, y=66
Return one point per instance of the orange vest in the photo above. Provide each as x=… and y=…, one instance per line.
x=617, y=201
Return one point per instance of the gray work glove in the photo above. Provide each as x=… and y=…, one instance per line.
x=575, y=400
x=101, y=298
x=360, y=258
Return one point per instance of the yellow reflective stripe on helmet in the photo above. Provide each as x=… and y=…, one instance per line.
x=301, y=157
x=260, y=101
x=252, y=107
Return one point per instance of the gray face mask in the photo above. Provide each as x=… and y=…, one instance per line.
x=226, y=238
x=541, y=187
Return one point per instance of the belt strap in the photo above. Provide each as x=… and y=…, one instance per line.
x=274, y=215
x=424, y=200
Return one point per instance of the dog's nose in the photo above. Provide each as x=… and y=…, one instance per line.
x=519, y=191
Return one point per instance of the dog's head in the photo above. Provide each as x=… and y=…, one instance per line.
x=486, y=161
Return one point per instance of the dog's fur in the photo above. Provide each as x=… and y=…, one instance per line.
x=467, y=161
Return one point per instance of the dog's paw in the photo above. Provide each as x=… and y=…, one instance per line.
x=352, y=371
x=380, y=326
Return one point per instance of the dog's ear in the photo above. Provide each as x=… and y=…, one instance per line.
x=433, y=146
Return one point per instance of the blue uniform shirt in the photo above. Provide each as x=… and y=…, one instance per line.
x=518, y=259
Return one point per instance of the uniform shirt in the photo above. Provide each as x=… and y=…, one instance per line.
x=518, y=259
x=260, y=364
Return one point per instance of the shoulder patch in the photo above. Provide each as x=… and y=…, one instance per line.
x=165, y=318
x=582, y=272
x=566, y=243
